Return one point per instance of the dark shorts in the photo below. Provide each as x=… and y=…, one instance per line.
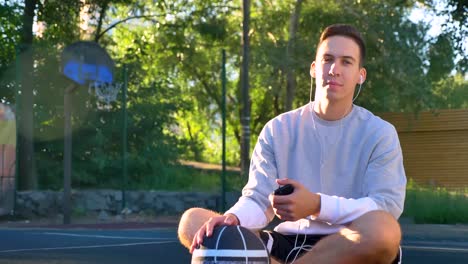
x=286, y=247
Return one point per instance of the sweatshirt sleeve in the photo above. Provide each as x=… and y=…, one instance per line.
x=385, y=175
x=339, y=210
x=253, y=209
x=384, y=187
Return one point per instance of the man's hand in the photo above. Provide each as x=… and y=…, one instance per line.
x=208, y=226
x=297, y=205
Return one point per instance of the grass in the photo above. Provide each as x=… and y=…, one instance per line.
x=186, y=178
x=433, y=205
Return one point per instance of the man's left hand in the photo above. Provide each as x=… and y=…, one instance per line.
x=297, y=205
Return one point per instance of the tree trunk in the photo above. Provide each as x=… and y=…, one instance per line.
x=290, y=76
x=102, y=14
x=27, y=175
x=245, y=118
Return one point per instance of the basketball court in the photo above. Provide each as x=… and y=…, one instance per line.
x=424, y=244
x=91, y=246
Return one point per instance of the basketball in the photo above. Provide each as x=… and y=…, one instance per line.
x=231, y=244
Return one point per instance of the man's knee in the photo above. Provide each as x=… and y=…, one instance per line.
x=380, y=234
x=190, y=221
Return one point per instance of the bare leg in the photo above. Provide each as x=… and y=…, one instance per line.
x=372, y=238
x=190, y=222
x=272, y=261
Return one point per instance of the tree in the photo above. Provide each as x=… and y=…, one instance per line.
x=456, y=26
x=10, y=23
x=185, y=46
x=441, y=58
x=451, y=92
x=26, y=162
x=290, y=76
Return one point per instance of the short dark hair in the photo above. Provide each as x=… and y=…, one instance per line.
x=347, y=31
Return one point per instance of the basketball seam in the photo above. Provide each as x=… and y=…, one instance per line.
x=401, y=255
x=217, y=240
x=268, y=245
x=245, y=245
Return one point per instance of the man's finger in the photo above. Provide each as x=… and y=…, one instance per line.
x=285, y=216
x=282, y=181
x=209, y=228
x=283, y=211
x=194, y=242
x=200, y=235
x=285, y=181
x=280, y=199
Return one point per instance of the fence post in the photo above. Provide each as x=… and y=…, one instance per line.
x=124, y=137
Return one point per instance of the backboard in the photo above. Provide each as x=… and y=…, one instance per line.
x=86, y=61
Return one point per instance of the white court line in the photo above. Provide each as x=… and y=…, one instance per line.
x=100, y=236
x=84, y=247
x=436, y=248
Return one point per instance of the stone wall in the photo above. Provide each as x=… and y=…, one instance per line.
x=31, y=204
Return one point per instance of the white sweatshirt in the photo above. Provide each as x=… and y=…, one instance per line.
x=355, y=164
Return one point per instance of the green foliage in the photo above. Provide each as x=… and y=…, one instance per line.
x=435, y=205
x=214, y=29
x=173, y=52
x=451, y=92
x=441, y=57
x=61, y=19
x=455, y=28
x=184, y=46
x=10, y=24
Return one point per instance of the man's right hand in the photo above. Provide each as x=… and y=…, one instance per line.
x=208, y=226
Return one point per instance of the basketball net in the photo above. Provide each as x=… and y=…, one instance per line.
x=105, y=93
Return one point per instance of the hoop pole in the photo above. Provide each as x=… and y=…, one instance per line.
x=124, y=137
x=67, y=151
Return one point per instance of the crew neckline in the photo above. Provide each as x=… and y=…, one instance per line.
x=324, y=122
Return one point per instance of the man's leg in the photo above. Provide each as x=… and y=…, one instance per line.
x=372, y=238
x=190, y=222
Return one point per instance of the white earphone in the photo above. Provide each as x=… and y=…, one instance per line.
x=359, y=89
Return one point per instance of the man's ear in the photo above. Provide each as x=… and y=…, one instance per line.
x=312, y=69
x=363, y=75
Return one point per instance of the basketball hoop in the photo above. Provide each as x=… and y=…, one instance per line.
x=106, y=93
x=85, y=62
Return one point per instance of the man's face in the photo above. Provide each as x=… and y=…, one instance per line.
x=336, y=69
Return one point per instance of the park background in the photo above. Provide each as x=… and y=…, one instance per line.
x=170, y=55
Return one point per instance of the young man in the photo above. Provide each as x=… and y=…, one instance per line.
x=344, y=163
